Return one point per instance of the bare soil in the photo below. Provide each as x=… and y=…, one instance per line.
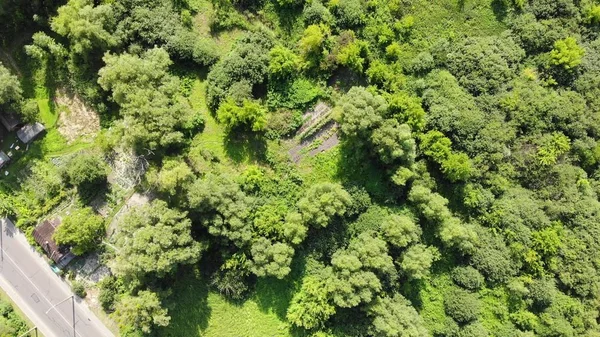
x=326, y=132
x=76, y=120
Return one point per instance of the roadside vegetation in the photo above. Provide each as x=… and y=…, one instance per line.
x=316, y=168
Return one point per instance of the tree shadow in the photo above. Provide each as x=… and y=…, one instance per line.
x=274, y=295
x=499, y=9
x=188, y=305
x=356, y=168
x=245, y=146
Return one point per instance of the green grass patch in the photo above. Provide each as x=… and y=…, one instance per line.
x=233, y=150
x=198, y=312
x=454, y=18
x=432, y=302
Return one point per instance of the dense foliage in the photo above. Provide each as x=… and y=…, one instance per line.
x=401, y=168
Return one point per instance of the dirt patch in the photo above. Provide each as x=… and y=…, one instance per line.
x=76, y=119
x=320, y=126
x=136, y=200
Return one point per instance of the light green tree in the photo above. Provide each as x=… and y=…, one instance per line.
x=85, y=26
x=311, y=306
x=154, y=239
x=283, y=63
x=251, y=114
x=173, y=178
x=141, y=312
x=395, y=317
x=82, y=230
x=400, y=230
x=322, y=202
x=393, y=142
x=417, y=260
x=271, y=259
x=567, y=53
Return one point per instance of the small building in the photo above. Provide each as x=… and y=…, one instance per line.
x=43, y=233
x=29, y=132
x=10, y=120
x=4, y=159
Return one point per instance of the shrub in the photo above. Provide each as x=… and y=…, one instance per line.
x=462, y=305
x=108, y=292
x=78, y=288
x=468, y=277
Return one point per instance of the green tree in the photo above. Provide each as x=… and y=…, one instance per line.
x=567, y=53
x=395, y=317
x=294, y=229
x=311, y=306
x=147, y=95
x=393, y=142
x=225, y=207
x=462, y=305
x=322, y=202
x=400, y=230
x=271, y=259
x=250, y=115
x=452, y=110
x=82, y=230
x=87, y=170
x=141, y=312
x=417, y=260
x=484, y=64
x=361, y=113
x=248, y=62
x=283, y=63
x=10, y=88
x=468, y=277
x=154, y=239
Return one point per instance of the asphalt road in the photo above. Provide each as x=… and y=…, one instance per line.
x=31, y=284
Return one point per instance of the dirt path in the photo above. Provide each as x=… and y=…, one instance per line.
x=296, y=153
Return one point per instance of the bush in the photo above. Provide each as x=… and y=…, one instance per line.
x=316, y=13
x=109, y=289
x=231, y=283
x=283, y=123
x=87, y=170
x=475, y=329
x=468, y=277
x=462, y=305
x=79, y=288
x=542, y=293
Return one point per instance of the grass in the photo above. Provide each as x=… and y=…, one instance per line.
x=233, y=150
x=198, y=312
x=454, y=18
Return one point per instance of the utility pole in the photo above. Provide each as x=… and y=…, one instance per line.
x=28, y=331
x=72, y=297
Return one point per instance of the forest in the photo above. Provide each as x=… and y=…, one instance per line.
x=318, y=168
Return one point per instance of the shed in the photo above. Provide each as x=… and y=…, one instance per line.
x=4, y=159
x=10, y=120
x=29, y=132
x=43, y=233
